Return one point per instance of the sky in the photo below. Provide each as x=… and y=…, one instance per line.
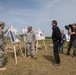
x=37, y=13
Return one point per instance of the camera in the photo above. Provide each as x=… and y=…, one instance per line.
x=67, y=27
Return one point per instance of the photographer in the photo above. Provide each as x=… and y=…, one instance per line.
x=72, y=33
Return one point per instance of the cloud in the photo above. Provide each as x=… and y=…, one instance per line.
x=38, y=13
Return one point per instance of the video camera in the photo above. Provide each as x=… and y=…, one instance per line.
x=67, y=27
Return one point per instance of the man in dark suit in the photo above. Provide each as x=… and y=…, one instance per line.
x=57, y=39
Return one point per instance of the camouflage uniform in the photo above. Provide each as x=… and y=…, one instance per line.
x=2, y=46
x=30, y=39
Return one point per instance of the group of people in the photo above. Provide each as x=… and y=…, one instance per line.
x=58, y=38
x=30, y=40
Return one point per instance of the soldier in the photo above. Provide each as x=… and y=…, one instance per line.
x=2, y=45
x=30, y=39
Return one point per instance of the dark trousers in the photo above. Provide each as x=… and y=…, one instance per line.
x=69, y=47
x=61, y=47
x=56, y=52
x=74, y=45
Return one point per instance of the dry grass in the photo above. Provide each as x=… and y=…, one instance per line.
x=41, y=66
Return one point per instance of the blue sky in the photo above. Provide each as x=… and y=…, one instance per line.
x=37, y=13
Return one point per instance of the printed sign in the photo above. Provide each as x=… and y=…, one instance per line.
x=39, y=35
x=12, y=33
x=24, y=30
x=68, y=37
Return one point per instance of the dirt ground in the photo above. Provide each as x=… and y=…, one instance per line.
x=40, y=66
